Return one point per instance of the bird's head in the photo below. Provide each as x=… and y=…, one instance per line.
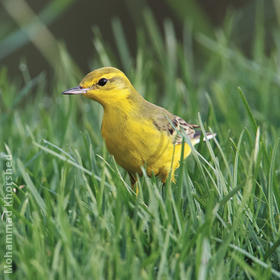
x=105, y=85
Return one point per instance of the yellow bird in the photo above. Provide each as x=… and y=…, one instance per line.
x=137, y=133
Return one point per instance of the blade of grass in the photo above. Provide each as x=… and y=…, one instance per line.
x=31, y=187
x=247, y=107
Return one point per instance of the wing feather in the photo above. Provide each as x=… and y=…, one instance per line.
x=173, y=126
x=175, y=129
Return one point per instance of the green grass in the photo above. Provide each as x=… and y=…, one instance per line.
x=76, y=217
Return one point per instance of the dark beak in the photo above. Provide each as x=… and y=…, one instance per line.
x=75, y=91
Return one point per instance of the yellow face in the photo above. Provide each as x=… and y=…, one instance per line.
x=104, y=85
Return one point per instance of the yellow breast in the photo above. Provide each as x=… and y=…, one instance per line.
x=137, y=143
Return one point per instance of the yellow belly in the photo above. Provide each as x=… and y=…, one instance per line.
x=137, y=143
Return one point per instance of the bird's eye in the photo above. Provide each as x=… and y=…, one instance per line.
x=102, y=82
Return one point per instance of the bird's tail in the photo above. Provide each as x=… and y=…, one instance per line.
x=196, y=137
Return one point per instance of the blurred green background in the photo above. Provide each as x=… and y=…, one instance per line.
x=71, y=22
x=215, y=63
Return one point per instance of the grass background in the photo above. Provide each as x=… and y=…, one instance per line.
x=74, y=214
